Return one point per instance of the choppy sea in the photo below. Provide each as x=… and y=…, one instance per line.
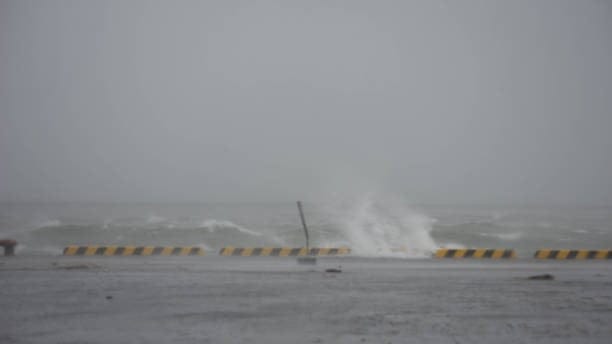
x=370, y=227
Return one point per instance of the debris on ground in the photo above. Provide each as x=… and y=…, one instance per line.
x=87, y=266
x=544, y=277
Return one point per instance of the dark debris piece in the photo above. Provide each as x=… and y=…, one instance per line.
x=544, y=277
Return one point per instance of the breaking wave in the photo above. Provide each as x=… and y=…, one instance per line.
x=376, y=225
x=371, y=224
x=52, y=236
x=214, y=225
x=504, y=236
x=49, y=223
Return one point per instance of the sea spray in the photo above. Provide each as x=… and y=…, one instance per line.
x=382, y=225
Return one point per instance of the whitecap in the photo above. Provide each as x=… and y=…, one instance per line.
x=452, y=245
x=213, y=225
x=154, y=219
x=504, y=236
x=49, y=223
x=580, y=231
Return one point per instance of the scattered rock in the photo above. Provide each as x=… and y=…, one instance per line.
x=544, y=277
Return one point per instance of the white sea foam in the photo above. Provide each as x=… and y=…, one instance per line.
x=214, y=225
x=452, y=245
x=49, y=223
x=107, y=223
x=580, y=231
x=153, y=219
x=382, y=225
x=504, y=236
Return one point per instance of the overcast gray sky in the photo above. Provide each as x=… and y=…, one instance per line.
x=440, y=101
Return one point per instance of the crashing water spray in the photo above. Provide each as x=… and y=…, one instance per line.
x=381, y=226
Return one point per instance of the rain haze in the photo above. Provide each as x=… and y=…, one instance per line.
x=453, y=159
x=232, y=101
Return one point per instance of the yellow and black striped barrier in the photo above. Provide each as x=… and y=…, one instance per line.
x=133, y=251
x=282, y=251
x=479, y=253
x=572, y=254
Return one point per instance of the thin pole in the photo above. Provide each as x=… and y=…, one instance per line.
x=299, y=204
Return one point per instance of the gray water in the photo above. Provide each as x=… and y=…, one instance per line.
x=371, y=227
x=377, y=298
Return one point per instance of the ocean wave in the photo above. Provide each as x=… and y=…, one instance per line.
x=504, y=236
x=580, y=231
x=49, y=223
x=452, y=245
x=153, y=219
x=372, y=225
x=214, y=225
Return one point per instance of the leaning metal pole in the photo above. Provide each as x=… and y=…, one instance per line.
x=299, y=204
x=309, y=259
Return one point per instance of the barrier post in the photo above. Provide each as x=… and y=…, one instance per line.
x=9, y=246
